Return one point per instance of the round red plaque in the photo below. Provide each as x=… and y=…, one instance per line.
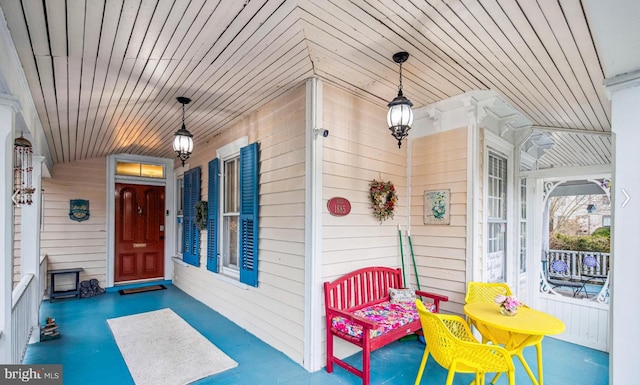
x=339, y=206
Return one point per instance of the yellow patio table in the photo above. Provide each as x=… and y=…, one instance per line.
x=526, y=328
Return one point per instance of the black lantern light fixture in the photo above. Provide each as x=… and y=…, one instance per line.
x=183, y=140
x=400, y=115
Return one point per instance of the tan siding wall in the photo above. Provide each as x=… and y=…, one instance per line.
x=359, y=148
x=274, y=311
x=68, y=243
x=439, y=162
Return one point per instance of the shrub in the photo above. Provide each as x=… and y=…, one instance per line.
x=602, y=232
x=579, y=242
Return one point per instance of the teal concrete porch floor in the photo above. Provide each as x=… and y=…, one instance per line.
x=89, y=354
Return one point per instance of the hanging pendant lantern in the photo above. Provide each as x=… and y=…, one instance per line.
x=22, y=171
x=400, y=115
x=183, y=139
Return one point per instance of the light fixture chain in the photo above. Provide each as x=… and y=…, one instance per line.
x=400, y=86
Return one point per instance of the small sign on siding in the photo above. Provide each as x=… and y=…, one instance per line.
x=338, y=206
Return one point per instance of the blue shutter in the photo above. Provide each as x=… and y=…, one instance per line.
x=190, y=232
x=212, y=219
x=249, y=214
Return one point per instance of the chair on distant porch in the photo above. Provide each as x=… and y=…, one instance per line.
x=560, y=276
x=591, y=268
x=591, y=272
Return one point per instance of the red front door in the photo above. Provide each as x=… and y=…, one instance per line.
x=139, y=218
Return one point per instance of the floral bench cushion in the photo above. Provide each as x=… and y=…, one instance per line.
x=388, y=315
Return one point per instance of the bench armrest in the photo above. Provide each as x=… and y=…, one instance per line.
x=435, y=297
x=365, y=323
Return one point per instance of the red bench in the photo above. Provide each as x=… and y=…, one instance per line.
x=359, y=310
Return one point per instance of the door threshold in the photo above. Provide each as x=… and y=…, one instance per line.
x=138, y=283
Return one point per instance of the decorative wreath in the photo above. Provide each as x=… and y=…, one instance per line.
x=201, y=215
x=383, y=199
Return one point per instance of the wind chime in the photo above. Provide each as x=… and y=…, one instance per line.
x=22, y=172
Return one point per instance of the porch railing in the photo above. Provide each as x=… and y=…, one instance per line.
x=26, y=299
x=22, y=316
x=578, y=269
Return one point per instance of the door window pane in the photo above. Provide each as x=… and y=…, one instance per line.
x=140, y=169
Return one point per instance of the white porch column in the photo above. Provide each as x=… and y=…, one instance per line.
x=625, y=264
x=30, y=239
x=6, y=226
x=313, y=228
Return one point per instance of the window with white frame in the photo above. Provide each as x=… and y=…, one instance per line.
x=523, y=225
x=496, y=217
x=230, y=213
x=232, y=223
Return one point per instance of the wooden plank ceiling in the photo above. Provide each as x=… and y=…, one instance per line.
x=104, y=74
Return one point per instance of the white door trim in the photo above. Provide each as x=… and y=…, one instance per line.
x=169, y=194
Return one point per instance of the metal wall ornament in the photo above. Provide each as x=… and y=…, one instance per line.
x=183, y=139
x=22, y=172
x=79, y=210
x=400, y=115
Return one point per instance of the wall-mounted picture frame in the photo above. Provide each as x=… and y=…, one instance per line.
x=437, y=207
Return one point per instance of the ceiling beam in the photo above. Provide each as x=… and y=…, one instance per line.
x=571, y=130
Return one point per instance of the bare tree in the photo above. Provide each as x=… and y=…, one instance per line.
x=562, y=210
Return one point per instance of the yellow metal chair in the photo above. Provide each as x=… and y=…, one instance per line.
x=486, y=293
x=450, y=342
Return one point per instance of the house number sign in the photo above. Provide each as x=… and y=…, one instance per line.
x=339, y=207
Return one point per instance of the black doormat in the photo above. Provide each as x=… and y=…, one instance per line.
x=143, y=289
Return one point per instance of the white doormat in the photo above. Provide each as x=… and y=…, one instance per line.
x=159, y=347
